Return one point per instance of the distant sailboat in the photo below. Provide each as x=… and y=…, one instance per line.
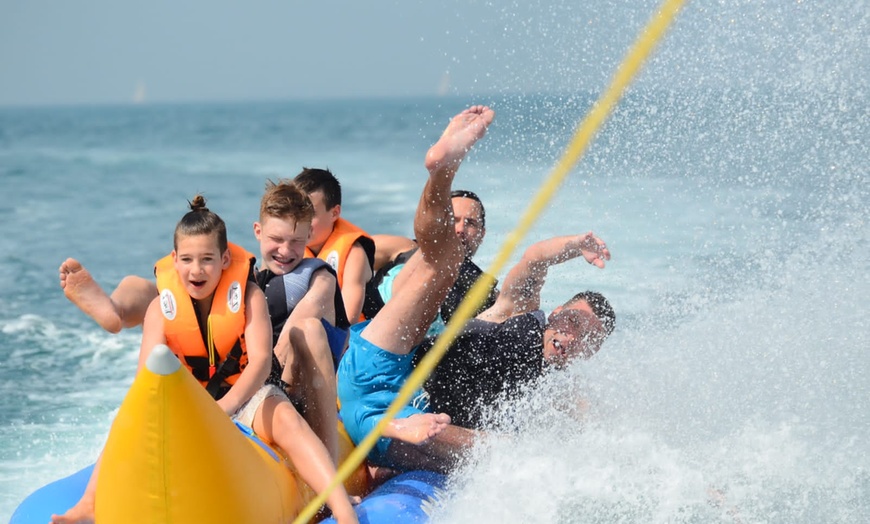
x=444, y=86
x=139, y=93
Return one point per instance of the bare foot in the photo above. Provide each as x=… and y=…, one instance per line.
x=81, y=513
x=418, y=428
x=461, y=133
x=82, y=290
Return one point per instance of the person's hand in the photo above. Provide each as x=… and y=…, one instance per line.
x=593, y=249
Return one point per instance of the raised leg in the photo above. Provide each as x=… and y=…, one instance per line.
x=424, y=281
x=126, y=306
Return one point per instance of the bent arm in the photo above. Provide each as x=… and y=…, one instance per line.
x=521, y=290
x=317, y=303
x=258, y=342
x=356, y=273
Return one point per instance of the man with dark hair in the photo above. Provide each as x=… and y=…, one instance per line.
x=348, y=249
x=392, y=252
x=491, y=361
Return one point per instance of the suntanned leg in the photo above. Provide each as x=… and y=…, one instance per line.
x=126, y=306
x=424, y=281
x=132, y=298
x=278, y=421
x=315, y=376
x=428, y=440
x=83, y=511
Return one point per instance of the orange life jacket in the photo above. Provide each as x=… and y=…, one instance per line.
x=337, y=247
x=226, y=322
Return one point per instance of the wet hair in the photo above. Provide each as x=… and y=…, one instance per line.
x=599, y=305
x=286, y=201
x=464, y=193
x=200, y=221
x=312, y=180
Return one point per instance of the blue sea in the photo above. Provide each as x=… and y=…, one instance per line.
x=737, y=217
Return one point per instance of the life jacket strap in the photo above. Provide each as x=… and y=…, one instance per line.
x=229, y=367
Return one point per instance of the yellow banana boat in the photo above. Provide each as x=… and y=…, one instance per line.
x=173, y=456
x=170, y=440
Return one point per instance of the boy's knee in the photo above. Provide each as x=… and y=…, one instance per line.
x=310, y=334
x=306, y=329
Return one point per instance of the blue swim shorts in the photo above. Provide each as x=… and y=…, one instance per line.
x=368, y=380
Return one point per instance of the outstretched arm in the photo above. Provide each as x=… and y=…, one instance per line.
x=521, y=290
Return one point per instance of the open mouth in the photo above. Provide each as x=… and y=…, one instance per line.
x=283, y=263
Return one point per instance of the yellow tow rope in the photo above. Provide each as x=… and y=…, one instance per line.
x=629, y=68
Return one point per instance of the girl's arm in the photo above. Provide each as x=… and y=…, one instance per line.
x=258, y=340
x=152, y=331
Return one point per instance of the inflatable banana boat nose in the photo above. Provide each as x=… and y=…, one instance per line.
x=173, y=455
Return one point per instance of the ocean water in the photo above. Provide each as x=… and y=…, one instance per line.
x=736, y=213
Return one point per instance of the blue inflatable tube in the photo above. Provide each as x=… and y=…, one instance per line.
x=56, y=498
x=158, y=477
x=402, y=499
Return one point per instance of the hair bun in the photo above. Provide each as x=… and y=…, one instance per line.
x=198, y=203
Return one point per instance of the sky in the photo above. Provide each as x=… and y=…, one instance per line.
x=105, y=51
x=61, y=52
